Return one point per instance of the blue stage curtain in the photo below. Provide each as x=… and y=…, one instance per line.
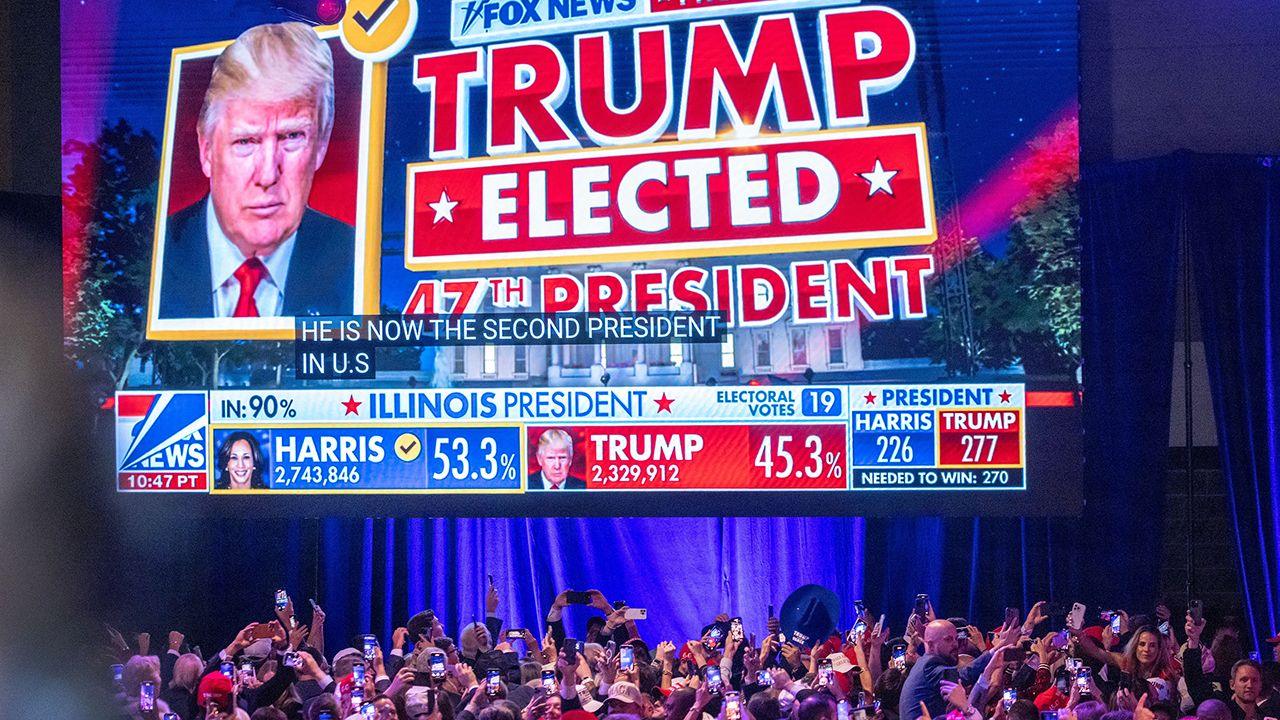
x=374, y=574
x=1131, y=220
x=1233, y=222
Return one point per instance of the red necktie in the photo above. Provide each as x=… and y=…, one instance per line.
x=249, y=275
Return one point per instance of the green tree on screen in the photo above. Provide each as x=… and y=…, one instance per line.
x=109, y=215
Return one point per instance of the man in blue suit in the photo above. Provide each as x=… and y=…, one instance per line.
x=252, y=247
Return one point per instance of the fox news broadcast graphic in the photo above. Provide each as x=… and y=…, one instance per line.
x=958, y=437
x=161, y=442
x=658, y=253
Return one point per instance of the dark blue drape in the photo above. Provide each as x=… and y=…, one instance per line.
x=370, y=575
x=682, y=570
x=1233, y=223
x=1130, y=223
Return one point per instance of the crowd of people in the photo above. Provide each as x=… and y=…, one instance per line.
x=1049, y=665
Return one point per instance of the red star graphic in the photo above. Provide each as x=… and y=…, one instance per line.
x=1004, y=396
x=664, y=403
x=870, y=397
x=352, y=405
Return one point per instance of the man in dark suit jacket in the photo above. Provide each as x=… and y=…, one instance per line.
x=252, y=248
x=555, y=455
x=321, y=271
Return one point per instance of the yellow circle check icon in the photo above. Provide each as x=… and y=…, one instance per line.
x=375, y=30
x=408, y=447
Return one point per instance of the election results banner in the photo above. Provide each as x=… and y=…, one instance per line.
x=823, y=251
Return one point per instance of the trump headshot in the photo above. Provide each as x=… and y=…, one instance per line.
x=252, y=247
x=554, y=455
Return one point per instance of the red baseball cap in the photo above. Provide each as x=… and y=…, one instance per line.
x=216, y=687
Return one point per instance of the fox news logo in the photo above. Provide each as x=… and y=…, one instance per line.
x=480, y=20
x=161, y=432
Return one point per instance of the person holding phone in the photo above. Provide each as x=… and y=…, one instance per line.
x=942, y=653
x=477, y=642
x=1243, y=692
x=138, y=671
x=613, y=626
x=1147, y=654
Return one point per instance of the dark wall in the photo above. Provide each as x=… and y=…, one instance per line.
x=1166, y=75
x=30, y=130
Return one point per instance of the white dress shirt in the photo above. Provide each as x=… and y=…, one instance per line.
x=225, y=257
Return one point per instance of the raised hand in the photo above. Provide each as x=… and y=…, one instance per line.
x=996, y=666
x=666, y=651
x=175, y=640
x=1193, y=631
x=774, y=626
x=1010, y=635
x=531, y=643
x=701, y=698
x=791, y=654
x=1162, y=613
x=286, y=615
x=615, y=618
x=766, y=645
x=607, y=668
x=297, y=635
x=955, y=694
x=278, y=635
x=491, y=600
x=310, y=668
x=1042, y=649
x=144, y=643
x=465, y=675
x=731, y=645
x=1141, y=711
x=751, y=661
x=1034, y=617
x=698, y=650
x=880, y=633
x=599, y=601
x=241, y=640
x=978, y=639
x=1125, y=700
x=399, y=638
x=535, y=708
x=401, y=683
x=116, y=638
x=549, y=650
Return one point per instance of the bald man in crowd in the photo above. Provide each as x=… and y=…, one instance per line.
x=941, y=653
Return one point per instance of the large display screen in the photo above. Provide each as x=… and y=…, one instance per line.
x=577, y=256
